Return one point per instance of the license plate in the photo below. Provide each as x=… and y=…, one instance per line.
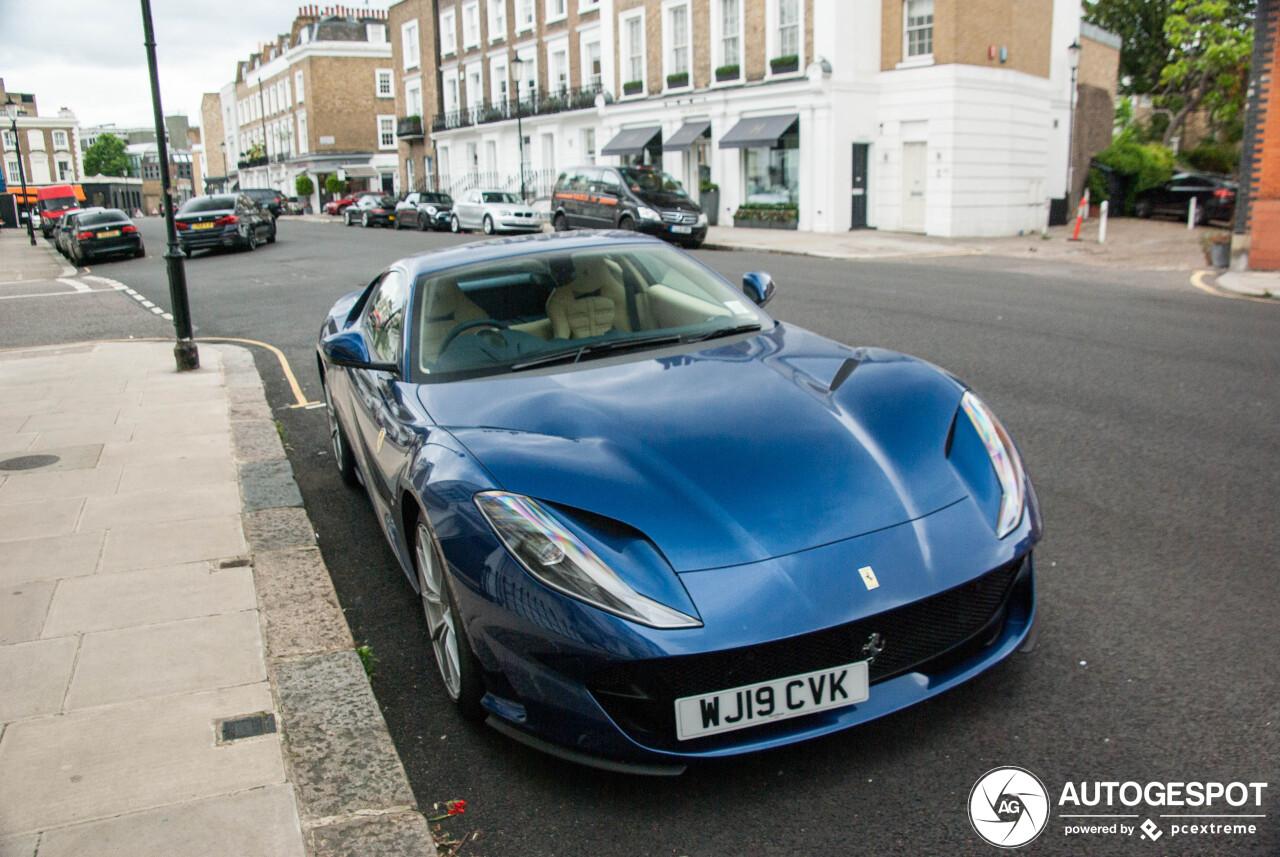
x=110, y=233
x=782, y=698
x=202, y=226
x=682, y=230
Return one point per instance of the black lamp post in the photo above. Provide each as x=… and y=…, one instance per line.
x=184, y=350
x=519, y=64
x=1073, y=52
x=12, y=110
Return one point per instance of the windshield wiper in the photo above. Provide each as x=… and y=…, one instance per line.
x=724, y=331
x=573, y=355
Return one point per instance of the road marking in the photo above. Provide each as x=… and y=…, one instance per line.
x=75, y=284
x=1197, y=280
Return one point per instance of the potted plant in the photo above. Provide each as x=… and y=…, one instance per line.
x=785, y=64
x=709, y=199
x=633, y=87
x=727, y=72
x=303, y=185
x=771, y=216
x=1217, y=249
x=677, y=80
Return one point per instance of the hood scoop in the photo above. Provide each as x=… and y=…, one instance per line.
x=843, y=373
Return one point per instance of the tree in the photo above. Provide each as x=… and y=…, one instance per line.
x=1210, y=45
x=303, y=185
x=1140, y=26
x=333, y=184
x=106, y=157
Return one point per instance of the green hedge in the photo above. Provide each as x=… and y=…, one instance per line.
x=1212, y=157
x=781, y=211
x=1146, y=165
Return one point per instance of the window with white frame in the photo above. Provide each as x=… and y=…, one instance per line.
x=589, y=51
x=588, y=5
x=302, y=132
x=524, y=15
x=556, y=10
x=633, y=27
x=498, y=82
x=497, y=19
x=527, y=85
x=491, y=156
x=788, y=28
x=678, y=41
x=288, y=93
x=589, y=146
x=386, y=132
x=444, y=162
x=919, y=28
x=470, y=25
x=375, y=33
x=730, y=32
x=558, y=82
x=450, y=91
x=409, y=44
x=297, y=85
x=448, y=33
x=384, y=89
x=64, y=170
x=60, y=140
x=475, y=90
x=10, y=141
x=408, y=173
x=413, y=98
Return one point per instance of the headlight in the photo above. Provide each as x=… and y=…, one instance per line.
x=559, y=559
x=702, y=218
x=1005, y=461
x=431, y=209
x=504, y=212
x=649, y=214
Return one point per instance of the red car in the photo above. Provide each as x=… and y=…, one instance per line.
x=337, y=206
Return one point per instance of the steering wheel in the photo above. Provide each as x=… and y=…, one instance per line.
x=462, y=328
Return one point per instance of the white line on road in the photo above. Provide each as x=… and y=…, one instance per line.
x=75, y=284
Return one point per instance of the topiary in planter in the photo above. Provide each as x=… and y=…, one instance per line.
x=678, y=79
x=633, y=87
x=728, y=72
x=784, y=64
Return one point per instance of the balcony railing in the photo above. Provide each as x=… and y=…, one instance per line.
x=409, y=128
x=537, y=104
x=247, y=163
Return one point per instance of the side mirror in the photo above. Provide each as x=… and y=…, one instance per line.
x=348, y=349
x=758, y=285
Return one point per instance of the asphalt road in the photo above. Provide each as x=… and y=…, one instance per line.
x=1148, y=415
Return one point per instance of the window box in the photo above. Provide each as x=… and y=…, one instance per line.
x=785, y=65
x=781, y=216
x=728, y=72
x=633, y=87
x=675, y=81
x=409, y=128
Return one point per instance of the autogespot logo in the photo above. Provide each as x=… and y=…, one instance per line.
x=1008, y=807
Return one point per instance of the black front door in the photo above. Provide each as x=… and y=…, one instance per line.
x=858, y=215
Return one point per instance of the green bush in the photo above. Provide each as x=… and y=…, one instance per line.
x=333, y=184
x=1210, y=157
x=303, y=185
x=782, y=211
x=704, y=186
x=1146, y=165
x=678, y=79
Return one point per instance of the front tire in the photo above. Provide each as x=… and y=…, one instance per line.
x=251, y=242
x=454, y=226
x=488, y=225
x=364, y=220
x=459, y=668
x=422, y=223
x=346, y=217
x=342, y=453
x=626, y=224
x=271, y=239
x=560, y=223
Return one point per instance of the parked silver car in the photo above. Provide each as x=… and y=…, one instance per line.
x=493, y=211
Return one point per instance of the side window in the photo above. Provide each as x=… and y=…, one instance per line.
x=383, y=323
x=609, y=183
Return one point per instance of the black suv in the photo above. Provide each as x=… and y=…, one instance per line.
x=639, y=198
x=272, y=200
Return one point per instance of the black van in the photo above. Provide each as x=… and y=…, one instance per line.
x=627, y=198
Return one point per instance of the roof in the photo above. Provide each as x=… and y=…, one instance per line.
x=521, y=245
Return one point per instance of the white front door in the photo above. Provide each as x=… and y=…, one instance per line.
x=914, y=164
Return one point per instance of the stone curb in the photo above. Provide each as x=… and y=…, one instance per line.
x=352, y=793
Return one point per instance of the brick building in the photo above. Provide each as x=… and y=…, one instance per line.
x=213, y=153
x=412, y=29
x=920, y=115
x=318, y=100
x=47, y=145
x=1256, y=242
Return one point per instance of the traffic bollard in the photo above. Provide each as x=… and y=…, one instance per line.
x=1191, y=214
x=1102, y=222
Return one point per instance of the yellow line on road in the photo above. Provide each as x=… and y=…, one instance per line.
x=1197, y=280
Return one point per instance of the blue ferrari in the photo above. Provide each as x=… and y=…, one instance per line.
x=650, y=524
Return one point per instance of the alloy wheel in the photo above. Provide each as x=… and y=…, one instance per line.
x=438, y=611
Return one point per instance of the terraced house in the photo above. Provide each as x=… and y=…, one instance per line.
x=931, y=116
x=318, y=100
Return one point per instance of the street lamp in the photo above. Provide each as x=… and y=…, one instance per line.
x=11, y=110
x=1073, y=54
x=519, y=67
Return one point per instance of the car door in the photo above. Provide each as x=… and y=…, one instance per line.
x=472, y=209
x=407, y=211
x=380, y=414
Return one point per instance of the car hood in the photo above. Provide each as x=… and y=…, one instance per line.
x=669, y=201
x=724, y=456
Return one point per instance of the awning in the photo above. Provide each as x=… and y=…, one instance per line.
x=684, y=138
x=360, y=171
x=758, y=131
x=632, y=141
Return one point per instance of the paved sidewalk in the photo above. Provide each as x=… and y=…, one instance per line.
x=19, y=261
x=159, y=578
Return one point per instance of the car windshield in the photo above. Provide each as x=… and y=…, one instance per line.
x=383, y=201
x=651, y=181
x=208, y=203
x=437, y=198
x=565, y=307
x=58, y=203
x=99, y=218
x=501, y=196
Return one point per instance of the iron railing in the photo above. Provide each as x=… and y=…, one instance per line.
x=536, y=104
x=409, y=127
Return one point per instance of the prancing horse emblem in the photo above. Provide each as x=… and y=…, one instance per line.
x=873, y=647
x=869, y=577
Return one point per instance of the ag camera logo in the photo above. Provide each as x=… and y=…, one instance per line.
x=1008, y=807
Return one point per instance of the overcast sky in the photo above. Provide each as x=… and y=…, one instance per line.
x=88, y=54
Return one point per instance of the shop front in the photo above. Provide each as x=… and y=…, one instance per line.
x=769, y=161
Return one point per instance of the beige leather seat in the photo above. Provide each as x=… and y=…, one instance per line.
x=448, y=308
x=594, y=303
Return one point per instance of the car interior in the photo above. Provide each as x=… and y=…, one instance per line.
x=502, y=312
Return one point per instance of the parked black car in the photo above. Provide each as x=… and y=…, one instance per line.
x=372, y=209
x=105, y=232
x=1215, y=198
x=269, y=198
x=223, y=220
x=424, y=210
x=64, y=226
x=639, y=198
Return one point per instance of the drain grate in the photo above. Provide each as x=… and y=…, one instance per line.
x=247, y=727
x=28, y=462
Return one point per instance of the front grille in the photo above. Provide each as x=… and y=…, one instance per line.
x=679, y=217
x=640, y=695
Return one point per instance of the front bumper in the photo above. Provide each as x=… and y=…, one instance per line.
x=519, y=224
x=601, y=687
x=662, y=229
